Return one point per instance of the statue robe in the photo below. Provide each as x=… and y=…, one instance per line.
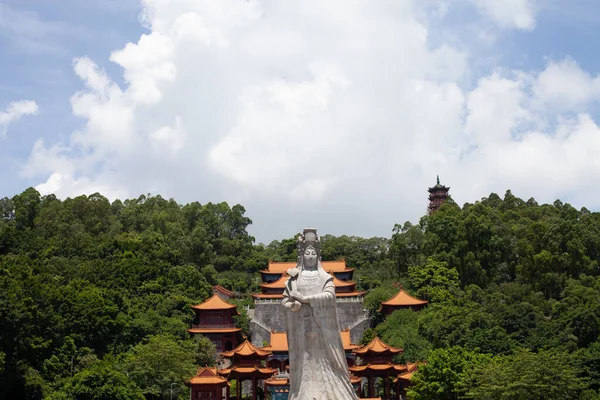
x=318, y=367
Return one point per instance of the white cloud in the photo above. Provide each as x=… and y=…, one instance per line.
x=565, y=86
x=519, y=14
x=15, y=111
x=339, y=117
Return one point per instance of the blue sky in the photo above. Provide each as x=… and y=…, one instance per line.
x=268, y=104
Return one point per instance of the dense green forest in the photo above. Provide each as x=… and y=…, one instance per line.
x=95, y=296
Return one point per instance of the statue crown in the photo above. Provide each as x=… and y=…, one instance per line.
x=308, y=238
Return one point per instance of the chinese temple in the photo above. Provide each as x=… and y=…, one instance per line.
x=207, y=385
x=269, y=316
x=402, y=301
x=214, y=319
x=246, y=364
x=376, y=361
x=437, y=196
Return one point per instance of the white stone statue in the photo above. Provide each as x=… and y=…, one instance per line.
x=318, y=368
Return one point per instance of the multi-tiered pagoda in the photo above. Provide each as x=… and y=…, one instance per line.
x=214, y=319
x=437, y=196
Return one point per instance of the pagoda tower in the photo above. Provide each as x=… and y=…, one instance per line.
x=214, y=319
x=247, y=363
x=437, y=196
x=377, y=362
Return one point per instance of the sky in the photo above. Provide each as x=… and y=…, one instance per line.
x=337, y=115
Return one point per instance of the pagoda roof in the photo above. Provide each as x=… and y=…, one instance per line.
x=247, y=371
x=281, y=267
x=246, y=349
x=340, y=283
x=411, y=368
x=402, y=298
x=277, y=382
x=280, y=295
x=377, y=368
x=219, y=288
x=438, y=186
x=348, y=345
x=215, y=303
x=207, y=376
x=279, y=341
x=376, y=346
x=278, y=284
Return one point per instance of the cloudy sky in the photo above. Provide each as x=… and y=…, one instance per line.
x=336, y=114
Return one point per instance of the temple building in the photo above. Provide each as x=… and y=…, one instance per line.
x=214, y=319
x=269, y=316
x=437, y=196
x=402, y=301
x=207, y=385
x=376, y=361
x=247, y=363
x=278, y=347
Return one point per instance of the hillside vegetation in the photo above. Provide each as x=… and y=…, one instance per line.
x=95, y=296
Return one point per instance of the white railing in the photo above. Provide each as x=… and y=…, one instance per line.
x=267, y=301
x=353, y=299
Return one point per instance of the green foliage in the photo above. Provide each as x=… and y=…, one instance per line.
x=161, y=361
x=92, y=288
x=98, y=382
x=401, y=329
x=526, y=376
x=433, y=281
x=443, y=375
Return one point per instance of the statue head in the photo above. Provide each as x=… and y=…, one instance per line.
x=309, y=249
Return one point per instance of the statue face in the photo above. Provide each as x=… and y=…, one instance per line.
x=310, y=257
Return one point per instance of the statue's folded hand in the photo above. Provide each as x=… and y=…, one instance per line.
x=296, y=295
x=295, y=306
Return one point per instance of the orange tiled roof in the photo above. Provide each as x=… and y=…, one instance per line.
x=276, y=267
x=246, y=349
x=247, y=370
x=279, y=341
x=346, y=340
x=277, y=382
x=404, y=299
x=349, y=294
x=340, y=283
x=280, y=296
x=278, y=284
x=221, y=289
x=207, y=376
x=214, y=303
x=377, y=346
x=397, y=368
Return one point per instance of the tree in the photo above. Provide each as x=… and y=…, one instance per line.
x=99, y=382
x=527, y=376
x=160, y=361
x=443, y=375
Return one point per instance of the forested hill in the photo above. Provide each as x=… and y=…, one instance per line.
x=94, y=296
